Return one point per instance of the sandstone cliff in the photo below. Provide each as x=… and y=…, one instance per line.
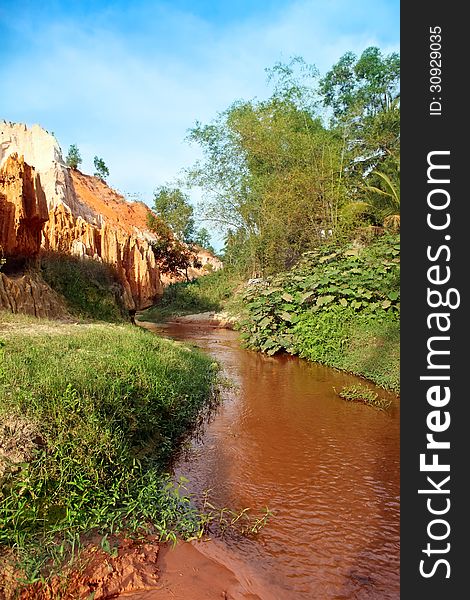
x=23, y=208
x=46, y=206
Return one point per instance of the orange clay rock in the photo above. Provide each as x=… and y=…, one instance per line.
x=45, y=204
x=23, y=208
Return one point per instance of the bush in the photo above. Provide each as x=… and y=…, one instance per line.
x=339, y=306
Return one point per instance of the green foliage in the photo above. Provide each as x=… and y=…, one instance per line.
x=172, y=206
x=374, y=349
x=276, y=178
x=91, y=289
x=173, y=223
x=173, y=257
x=107, y=405
x=203, y=239
x=269, y=177
x=207, y=293
x=362, y=393
x=365, y=86
x=334, y=297
x=73, y=158
x=363, y=94
x=102, y=170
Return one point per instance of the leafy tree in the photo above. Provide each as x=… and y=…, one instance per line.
x=203, y=239
x=366, y=86
x=279, y=178
x=173, y=207
x=173, y=256
x=270, y=174
x=363, y=94
x=102, y=170
x=73, y=158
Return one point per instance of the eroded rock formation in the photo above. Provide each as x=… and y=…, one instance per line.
x=23, y=208
x=29, y=294
x=46, y=205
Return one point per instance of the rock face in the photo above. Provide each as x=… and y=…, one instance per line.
x=29, y=295
x=117, y=235
x=46, y=205
x=23, y=208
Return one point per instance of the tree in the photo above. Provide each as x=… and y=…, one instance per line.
x=173, y=207
x=173, y=257
x=73, y=158
x=102, y=170
x=277, y=174
x=203, y=239
x=366, y=86
x=270, y=173
x=363, y=94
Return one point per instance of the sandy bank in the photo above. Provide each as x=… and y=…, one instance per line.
x=221, y=320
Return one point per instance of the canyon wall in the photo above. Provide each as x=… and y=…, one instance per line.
x=45, y=206
x=23, y=208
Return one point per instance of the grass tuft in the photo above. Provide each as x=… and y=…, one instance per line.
x=361, y=393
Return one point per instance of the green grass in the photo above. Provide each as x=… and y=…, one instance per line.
x=362, y=393
x=91, y=418
x=366, y=344
x=90, y=288
x=209, y=293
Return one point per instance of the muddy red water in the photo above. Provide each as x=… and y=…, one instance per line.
x=328, y=469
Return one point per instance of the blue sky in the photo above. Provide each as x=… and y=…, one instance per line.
x=126, y=80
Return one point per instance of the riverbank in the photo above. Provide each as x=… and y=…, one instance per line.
x=213, y=293
x=219, y=320
x=339, y=306
x=91, y=414
x=148, y=570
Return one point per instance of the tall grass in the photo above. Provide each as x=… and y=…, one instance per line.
x=366, y=344
x=93, y=418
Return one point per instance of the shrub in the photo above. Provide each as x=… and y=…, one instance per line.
x=339, y=306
